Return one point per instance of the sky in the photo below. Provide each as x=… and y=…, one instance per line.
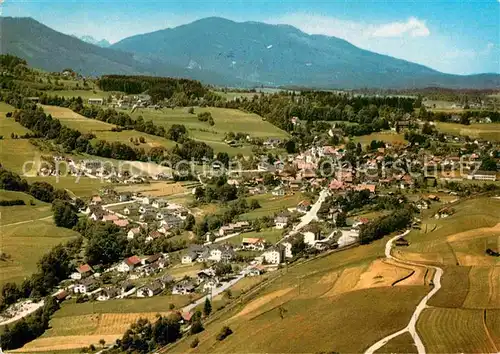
x=459, y=36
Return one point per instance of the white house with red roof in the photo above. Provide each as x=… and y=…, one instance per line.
x=82, y=272
x=129, y=264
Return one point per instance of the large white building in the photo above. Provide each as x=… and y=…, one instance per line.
x=483, y=176
x=274, y=255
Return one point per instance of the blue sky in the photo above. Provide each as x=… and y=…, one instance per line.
x=460, y=37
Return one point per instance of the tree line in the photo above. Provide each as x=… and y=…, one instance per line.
x=191, y=149
x=42, y=191
x=385, y=225
x=30, y=327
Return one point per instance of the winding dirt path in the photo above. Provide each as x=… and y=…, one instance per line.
x=422, y=305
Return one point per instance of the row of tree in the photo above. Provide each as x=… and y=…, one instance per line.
x=39, y=190
x=385, y=225
x=190, y=149
x=29, y=328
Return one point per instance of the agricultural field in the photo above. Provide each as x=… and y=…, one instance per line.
x=401, y=344
x=455, y=288
x=25, y=243
x=156, y=189
x=487, y=131
x=19, y=155
x=80, y=187
x=445, y=330
x=349, y=314
x=386, y=136
x=226, y=120
x=77, y=325
x=485, y=288
x=102, y=130
x=9, y=126
x=153, y=304
x=459, y=238
x=84, y=94
x=34, y=209
x=303, y=293
x=270, y=204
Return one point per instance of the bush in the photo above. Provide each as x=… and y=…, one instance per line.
x=12, y=202
x=191, y=110
x=195, y=342
x=224, y=333
x=196, y=327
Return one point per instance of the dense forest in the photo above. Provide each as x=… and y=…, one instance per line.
x=158, y=88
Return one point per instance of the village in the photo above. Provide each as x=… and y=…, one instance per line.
x=311, y=220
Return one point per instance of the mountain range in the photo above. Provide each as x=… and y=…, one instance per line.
x=89, y=39
x=222, y=52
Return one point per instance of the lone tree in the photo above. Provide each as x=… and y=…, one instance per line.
x=102, y=342
x=207, y=309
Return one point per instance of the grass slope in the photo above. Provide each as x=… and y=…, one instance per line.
x=9, y=125
x=489, y=131
x=20, y=213
x=102, y=130
x=26, y=243
x=226, y=120
x=312, y=321
x=318, y=324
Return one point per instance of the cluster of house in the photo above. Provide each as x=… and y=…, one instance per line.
x=124, y=102
x=210, y=252
x=368, y=176
x=152, y=217
x=86, y=281
x=110, y=173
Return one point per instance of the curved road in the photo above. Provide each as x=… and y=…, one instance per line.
x=307, y=217
x=411, y=327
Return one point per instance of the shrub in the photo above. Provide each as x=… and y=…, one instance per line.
x=196, y=327
x=195, y=342
x=12, y=202
x=224, y=333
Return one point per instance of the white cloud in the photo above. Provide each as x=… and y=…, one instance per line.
x=351, y=30
x=470, y=53
x=413, y=27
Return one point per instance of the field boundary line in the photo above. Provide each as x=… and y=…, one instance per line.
x=487, y=331
x=411, y=328
x=25, y=221
x=403, y=278
x=453, y=253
